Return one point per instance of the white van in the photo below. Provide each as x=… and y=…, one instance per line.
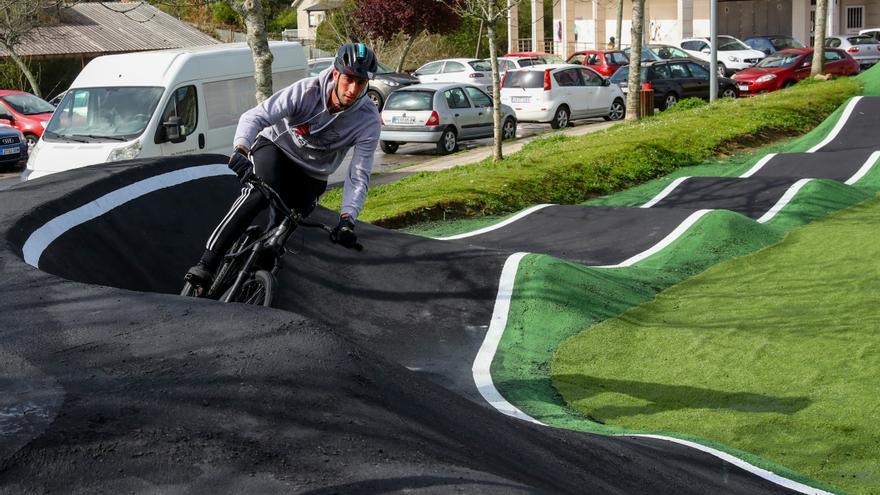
x=158, y=103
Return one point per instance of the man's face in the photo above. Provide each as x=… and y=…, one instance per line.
x=349, y=88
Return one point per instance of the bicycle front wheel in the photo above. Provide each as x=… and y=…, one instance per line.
x=258, y=289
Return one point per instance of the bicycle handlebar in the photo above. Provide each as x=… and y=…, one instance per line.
x=279, y=204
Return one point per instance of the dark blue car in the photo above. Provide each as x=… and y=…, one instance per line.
x=13, y=147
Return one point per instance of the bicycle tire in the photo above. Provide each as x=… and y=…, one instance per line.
x=258, y=289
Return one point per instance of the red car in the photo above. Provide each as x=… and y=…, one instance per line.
x=603, y=62
x=25, y=112
x=786, y=67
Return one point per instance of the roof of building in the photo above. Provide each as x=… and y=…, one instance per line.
x=93, y=29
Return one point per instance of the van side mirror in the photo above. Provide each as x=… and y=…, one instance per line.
x=172, y=130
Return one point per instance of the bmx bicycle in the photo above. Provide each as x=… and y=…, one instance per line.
x=248, y=271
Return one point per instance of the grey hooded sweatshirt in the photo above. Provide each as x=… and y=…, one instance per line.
x=296, y=119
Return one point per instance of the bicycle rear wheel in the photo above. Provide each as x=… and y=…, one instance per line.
x=258, y=289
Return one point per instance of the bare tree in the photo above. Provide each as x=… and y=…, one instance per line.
x=18, y=19
x=819, y=38
x=634, y=83
x=489, y=13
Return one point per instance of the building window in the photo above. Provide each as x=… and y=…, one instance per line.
x=855, y=18
x=315, y=18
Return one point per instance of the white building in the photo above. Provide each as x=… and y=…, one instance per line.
x=588, y=24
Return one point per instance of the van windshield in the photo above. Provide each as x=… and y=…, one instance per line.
x=103, y=114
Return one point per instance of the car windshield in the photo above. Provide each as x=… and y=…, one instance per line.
x=99, y=114
x=622, y=74
x=481, y=65
x=784, y=43
x=410, y=100
x=728, y=44
x=383, y=69
x=861, y=40
x=647, y=55
x=28, y=104
x=524, y=79
x=779, y=60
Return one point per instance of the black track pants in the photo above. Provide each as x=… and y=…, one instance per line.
x=298, y=190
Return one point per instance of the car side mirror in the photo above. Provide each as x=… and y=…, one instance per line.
x=172, y=130
x=8, y=117
x=806, y=64
x=707, y=51
x=606, y=82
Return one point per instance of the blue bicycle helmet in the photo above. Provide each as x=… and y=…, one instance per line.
x=356, y=60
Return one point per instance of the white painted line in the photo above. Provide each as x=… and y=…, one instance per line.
x=41, y=238
x=736, y=461
x=483, y=381
x=497, y=225
x=666, y=241
x=665, y=192
x=866, y=167
x=483, y=362
x=758, y=166
x=783, y=201
x=839, y=126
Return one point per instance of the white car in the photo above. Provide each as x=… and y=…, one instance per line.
x=441, y=113
x=733, y=54
x=560, y=93
x=460, y=70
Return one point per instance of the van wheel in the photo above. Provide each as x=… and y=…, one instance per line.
x=670, y=100
x=376, y=98
x=618, y=110
x=448, y=142
x=389, y=147
x=31, y=140
x=560, y=120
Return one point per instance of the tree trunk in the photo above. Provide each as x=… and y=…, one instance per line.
x=619, y=38
x=255, y=23
x=409, y=44
x=819, y=38
x=35, y=86
x=479, y=40
x=496, y=84
x=634, y=83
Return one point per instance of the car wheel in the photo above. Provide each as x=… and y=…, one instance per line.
x=728, y=93
x=376, y=98
x=508, y=130
x=389, y=147
x=560, y=120
x=787, y=84
x=31, y=141
x=618, y=110
x=670, y=100
x=722, y=70
x=448, y=142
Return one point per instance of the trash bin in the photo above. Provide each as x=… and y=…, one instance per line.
x=646, y=102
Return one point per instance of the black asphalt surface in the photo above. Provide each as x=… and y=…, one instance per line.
x=835, y=165
x=751, y=196
x=359, y=383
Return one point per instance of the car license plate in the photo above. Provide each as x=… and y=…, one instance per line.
x=742, y=87
x=520, y=99
x=403, y=120
x=11, y=151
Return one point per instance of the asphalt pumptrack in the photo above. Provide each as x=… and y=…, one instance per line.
x=371, y=376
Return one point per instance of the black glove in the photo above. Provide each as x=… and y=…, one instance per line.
x=343, y=233
x=240, y=164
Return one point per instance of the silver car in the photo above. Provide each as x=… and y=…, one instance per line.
x=864, y=48
x=441, y=113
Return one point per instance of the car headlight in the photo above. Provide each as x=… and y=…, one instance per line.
x=732, y=58
x=127, y=152
x=766, y=77
x=389, y=82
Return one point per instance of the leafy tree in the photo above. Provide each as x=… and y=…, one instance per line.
x=384, y=19
x=223, y=13
x=284, y=19
x=340, y=26
x=18, y=18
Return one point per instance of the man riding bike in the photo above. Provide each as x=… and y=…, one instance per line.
x=293, y=141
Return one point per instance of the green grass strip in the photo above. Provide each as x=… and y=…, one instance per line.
x=785, y=364
x=570, y=170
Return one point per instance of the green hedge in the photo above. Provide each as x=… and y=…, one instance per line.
x=567, y=170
